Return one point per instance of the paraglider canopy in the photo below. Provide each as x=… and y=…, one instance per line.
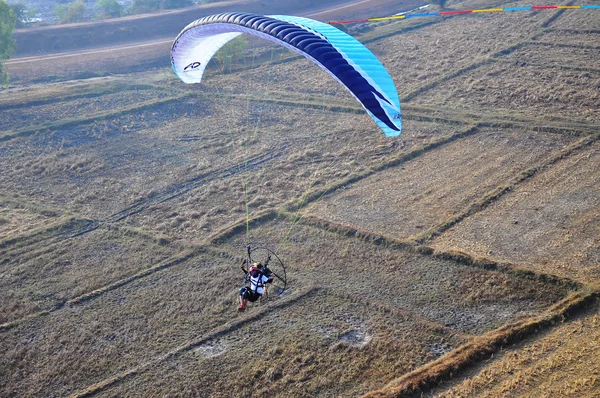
x=345, y=58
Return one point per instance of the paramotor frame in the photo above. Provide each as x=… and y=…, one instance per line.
x=270, y=259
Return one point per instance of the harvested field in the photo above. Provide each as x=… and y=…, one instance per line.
x=561, y=363
x=522, y=90
x=80, y=66
x=88, y=341
x=570, y=37
x=44, y=107
x=555, y=215
x=183, y=138
x=552, y=56
x=422, y=56
x=41, y=279
x=18, y=217
x=313, y=337
x=409, y=282
x=393, y=310
x=417, y=195
x=299, y=163
x=578, y=20
x=413, y=263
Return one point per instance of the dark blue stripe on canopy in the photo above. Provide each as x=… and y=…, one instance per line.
x=312, y=44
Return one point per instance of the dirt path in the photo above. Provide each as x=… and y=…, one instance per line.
x=49, y=57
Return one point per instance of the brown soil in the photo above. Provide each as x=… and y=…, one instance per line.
x=127, y=202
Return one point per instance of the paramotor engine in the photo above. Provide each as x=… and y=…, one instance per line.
x=271, y=264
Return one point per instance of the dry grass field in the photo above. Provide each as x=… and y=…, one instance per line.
x=561, y=363
x=460, y=259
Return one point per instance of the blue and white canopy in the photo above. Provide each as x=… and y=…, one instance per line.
x=345, y=58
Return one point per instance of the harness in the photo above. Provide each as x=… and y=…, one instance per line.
x=258, y=283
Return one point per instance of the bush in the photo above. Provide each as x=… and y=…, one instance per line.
x=231, y=52
x=141, y=6
x=7, y=43
x=109, y=8
x=71, y=12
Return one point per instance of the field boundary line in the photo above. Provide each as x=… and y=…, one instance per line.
x=492, y=196
x=561, y=45
x=270, y=214
x=436, y=115
x=484, y=61
x=76, y=121
x=11, y=324
x=397, y=160
x=555, y=66
x=401, y=313
x=218, y=332
x=460, y=258
x=576, y=31
x=179, y=189
x=239, y=226
x=171, y=192
x=489, y=59
x=556, y=15
x=342, y=107
x=175, y=260
x=15, y=246
x=557, y=126
x=110, y=87
x=172, y=261
x=346, y=107
x=428, y=376
x=380, y=306
x=294, y=204
x=457, y=72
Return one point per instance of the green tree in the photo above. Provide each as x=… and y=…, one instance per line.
x=231, y=52
x=7, y=43
x=20, y=11
x=109, y=8
x=69, y=13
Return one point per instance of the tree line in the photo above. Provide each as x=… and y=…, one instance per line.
x=8, y=21
x=76, y=10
